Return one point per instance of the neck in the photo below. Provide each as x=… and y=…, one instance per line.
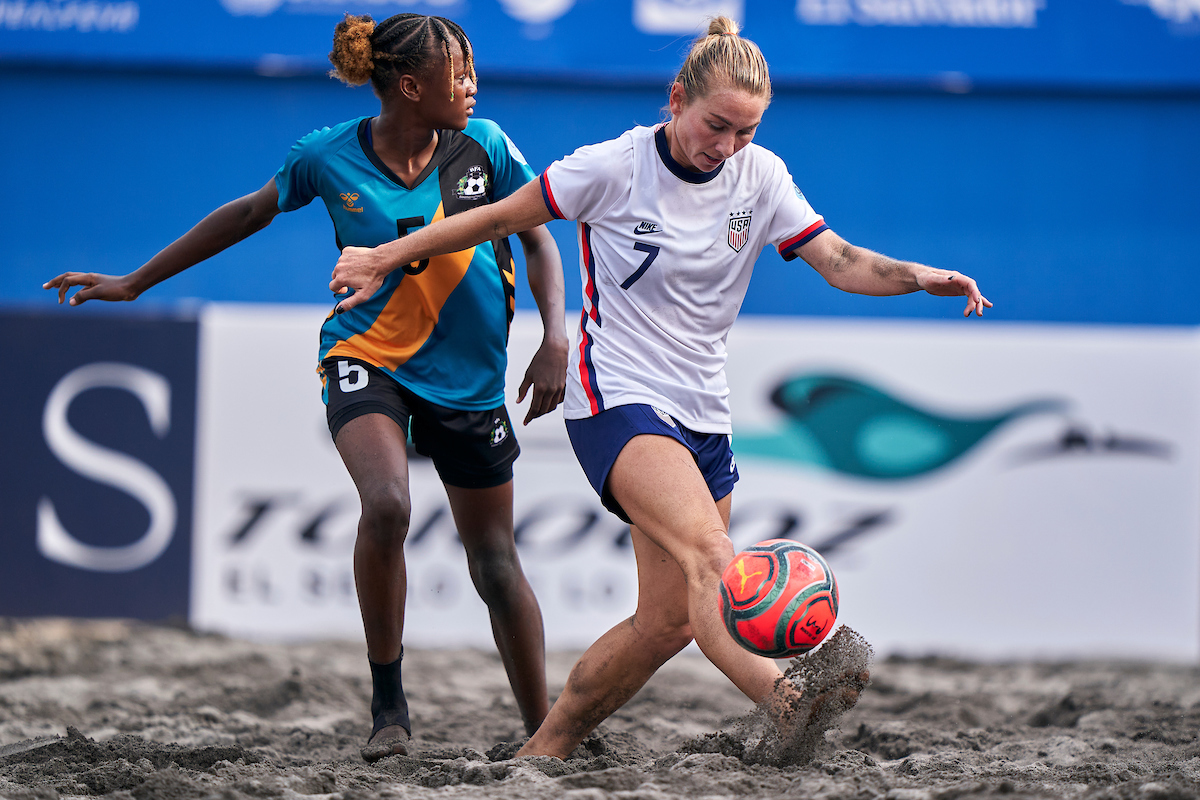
x=401, y=133
x=676, y=153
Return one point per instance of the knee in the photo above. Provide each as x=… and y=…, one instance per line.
x=665, y=635
x=385, y=514
x=496, y=574
x=709, y=557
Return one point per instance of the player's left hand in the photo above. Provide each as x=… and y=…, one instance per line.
x=945, y=283
x=95, y=287
x=357, y=276
x=547, y=374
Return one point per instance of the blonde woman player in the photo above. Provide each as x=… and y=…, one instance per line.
x=671, y=220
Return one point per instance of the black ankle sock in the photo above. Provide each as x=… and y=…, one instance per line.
x=388, y=706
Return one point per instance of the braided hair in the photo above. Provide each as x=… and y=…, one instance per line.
x=404, y=44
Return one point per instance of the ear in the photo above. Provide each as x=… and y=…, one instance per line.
x=409, y=87
x=677, y=99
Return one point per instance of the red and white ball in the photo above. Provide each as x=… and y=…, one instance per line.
x=779, y=598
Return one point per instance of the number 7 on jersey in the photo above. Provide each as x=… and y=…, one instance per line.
x=651, y=252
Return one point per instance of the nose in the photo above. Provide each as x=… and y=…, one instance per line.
x=726, y=145
x=470, y=87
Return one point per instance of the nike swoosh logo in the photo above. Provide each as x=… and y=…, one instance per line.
x=646, y=227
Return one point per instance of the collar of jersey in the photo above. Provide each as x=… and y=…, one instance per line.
x=677, y=169
x=368, y=148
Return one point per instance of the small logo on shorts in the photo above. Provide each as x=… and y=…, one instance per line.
x=732, y=464
x=664, y=416
x=499, y=431
x=473, y=185
x=644, y=227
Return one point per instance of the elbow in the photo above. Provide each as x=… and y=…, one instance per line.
x=842, y=283
x=256, y=216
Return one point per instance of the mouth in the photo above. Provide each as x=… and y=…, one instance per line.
x=709, y=161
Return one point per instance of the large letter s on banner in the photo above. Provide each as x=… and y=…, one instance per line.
x=109, y=467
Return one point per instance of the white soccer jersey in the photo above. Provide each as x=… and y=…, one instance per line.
x=665, y=257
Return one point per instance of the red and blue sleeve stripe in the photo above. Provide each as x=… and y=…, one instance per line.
x=548, y=196
x=788, y=249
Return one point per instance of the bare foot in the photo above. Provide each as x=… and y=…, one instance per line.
x=797, y=708
x=811, y=696
x=389, y=741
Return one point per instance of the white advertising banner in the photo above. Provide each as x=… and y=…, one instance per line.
x=979, y=489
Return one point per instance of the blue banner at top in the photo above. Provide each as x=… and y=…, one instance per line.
x=955, y=43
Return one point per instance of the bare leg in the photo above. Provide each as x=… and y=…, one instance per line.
x=373, y=448
x=623, y=659
x=485, y=524
x=659, y=485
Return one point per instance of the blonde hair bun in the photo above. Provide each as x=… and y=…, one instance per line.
x=721, y=25
x=723, y=58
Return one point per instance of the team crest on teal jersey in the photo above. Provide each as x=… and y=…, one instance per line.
x=472, y=185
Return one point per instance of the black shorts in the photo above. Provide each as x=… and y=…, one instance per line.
x=470, y=449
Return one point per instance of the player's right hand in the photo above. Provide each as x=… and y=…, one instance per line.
x=95, y=287
x=357, y=276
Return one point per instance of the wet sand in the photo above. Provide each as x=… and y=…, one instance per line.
x=125, y=710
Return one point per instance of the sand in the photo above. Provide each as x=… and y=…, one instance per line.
x=125, y=710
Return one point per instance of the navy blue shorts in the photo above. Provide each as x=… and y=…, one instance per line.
x=600, y=439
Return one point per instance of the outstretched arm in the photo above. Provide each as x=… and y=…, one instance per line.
x=362, y=269
x=547, y=372
x=861, y=271
x=223, y=228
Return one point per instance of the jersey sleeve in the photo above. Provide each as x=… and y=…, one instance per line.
x=795, y=222
x=590, y=181
x=297, y=178
x=509, y=168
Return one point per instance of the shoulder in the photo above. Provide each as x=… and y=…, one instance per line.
x=761, y=161
x=334, y=135
x=611, y=155
x=483, y=130
x=324, y=143
x=763, y=168
x=627, y=142
x=493, y=139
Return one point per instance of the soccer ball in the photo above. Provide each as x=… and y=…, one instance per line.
x=778, y=598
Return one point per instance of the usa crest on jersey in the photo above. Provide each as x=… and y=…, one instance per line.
x=739, y=229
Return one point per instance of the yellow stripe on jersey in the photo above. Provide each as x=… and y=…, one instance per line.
x=410, y=314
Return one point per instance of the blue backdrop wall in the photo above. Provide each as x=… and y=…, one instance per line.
x=1066, y=206
x=1046, y=147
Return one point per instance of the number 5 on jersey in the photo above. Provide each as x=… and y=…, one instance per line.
x=402, y=228
x=651, y=252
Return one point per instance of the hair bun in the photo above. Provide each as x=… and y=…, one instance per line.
x=722, y=25
x=352, y=55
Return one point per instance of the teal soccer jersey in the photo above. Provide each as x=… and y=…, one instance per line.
x=439, y=326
